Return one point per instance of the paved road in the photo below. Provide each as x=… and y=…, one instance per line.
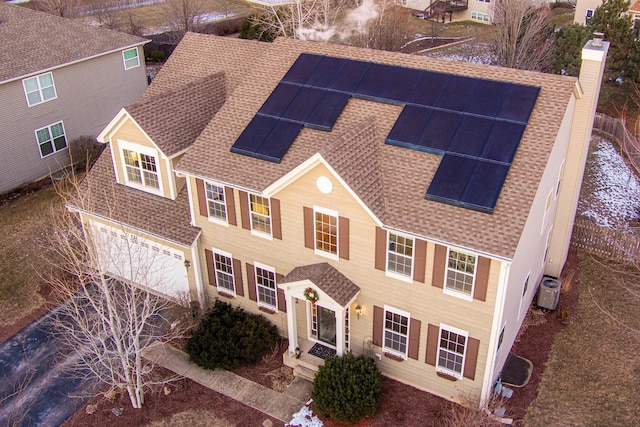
x=36, y=385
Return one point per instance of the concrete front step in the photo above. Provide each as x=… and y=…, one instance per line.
x=303, y=372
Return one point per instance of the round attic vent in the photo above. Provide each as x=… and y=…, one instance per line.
x=324, y=184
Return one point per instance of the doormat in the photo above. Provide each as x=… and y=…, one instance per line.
x=516, y=371
x=321, y=351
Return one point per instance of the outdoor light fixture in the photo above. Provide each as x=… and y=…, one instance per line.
x=358, y=310
x=187, y=263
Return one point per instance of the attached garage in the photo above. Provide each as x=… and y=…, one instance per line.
x=144, y=262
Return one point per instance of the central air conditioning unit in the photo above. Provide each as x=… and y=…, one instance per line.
x=549, y=293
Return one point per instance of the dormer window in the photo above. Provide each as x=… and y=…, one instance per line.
x=141, y=169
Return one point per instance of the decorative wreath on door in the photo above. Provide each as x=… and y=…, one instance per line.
x=311, y=295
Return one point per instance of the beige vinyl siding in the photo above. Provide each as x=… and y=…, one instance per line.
x=89, y=95
x=581, y=9
x=181, y=181
x=423, y=301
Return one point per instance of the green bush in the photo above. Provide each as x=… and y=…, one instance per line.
x=347, y=388
x=156, y=56
x=229, y=337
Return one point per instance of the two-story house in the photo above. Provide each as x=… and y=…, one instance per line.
x=59, y=79
x=392, y=205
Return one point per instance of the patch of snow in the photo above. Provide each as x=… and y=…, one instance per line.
x=615, y=195
x=305, y=418
x=478, y=53
x=18, y=1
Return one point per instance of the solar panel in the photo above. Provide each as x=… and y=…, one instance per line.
x=279, y=100
x=303, y=104
x=374, y=82
x=399, y=89
x=278, y=141
x=470, y=137
x=327, y=111
x=450, y=180
x=253, y=135
x=349, y=76
x=407, y=130
x=484, y=185
x=439, y=131
x=487, y=98
x=518, y=103
x=428, y=89
x=302, y=68
x=503, y=141
x=326, y=72
x=457, y=92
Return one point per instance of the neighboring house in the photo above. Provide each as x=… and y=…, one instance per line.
x=586, y=8
x=420, y=201
x=451, y=10
x=59, y=80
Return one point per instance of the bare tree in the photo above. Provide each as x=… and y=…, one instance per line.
x=109, y=322
x=64, y=8
x=123, y=20
x=386, y=31
x=523, y=35
x=184, y=15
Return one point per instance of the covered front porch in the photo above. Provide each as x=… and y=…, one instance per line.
x=319, y=302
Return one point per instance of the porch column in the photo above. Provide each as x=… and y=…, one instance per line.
x=340, y=331
x=292, y=330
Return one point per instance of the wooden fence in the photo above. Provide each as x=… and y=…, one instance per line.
x=112, y=5
x=605, y=242
x=616, y=130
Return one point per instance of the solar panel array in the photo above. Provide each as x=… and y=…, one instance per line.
x=475, y=124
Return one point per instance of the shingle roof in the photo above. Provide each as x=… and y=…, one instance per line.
x=166, y=218
x=328, y=279
x=34, y=41
x=404, y=174
x=175, y=129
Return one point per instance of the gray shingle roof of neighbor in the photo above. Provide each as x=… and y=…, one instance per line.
x=328, y=279
x=391, y=180
x=33, y=41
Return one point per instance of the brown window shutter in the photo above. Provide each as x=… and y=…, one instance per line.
x=309, y=226
x=381, y=249
x=202, y=197
x=244, y=210
x=482, y=279
x=432, y=344
x=419, y=260
x=414, y=338
x=378, y=325
x=343, y=237
x=439, y=266
x=251, y=282
x=210, y=267
x=282, y=302
x=231, y=205
x=276, y=222
x=237, y=277
x=471, y=358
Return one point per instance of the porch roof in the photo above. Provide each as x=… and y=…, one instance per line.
x=328, y=279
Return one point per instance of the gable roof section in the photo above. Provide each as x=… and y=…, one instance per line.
x=155, y=215
x=33, y=41
x=328, y=279
x=404, y=174
x=174, y=129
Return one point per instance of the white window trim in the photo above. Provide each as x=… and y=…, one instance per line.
x=268, y=236
x=560, y=176
x=64, y=132
x=124, y=60
x=140, y=149
x=455, y=330
x=257, y=265
x=220, y=289
x=37, y=79
x=214, y=218
x=453, y=292
x=384, y=329
x=393, y=274
x=527, y=281
x=547, y=209
x=320, y=252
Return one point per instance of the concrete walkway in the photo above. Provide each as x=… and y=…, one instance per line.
x=278, y=405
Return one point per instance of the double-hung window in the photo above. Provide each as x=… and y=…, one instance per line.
x=326, y=228
x=266, y=287
x=461, y=269
x=400, y=255
x=223, y=265
x=451, y=350
x=130, y=57
x=525, y=288
x=51, y=139
x=216, y=205
x=141, y=169
x=260, y=214
x=396, y=331
x=39, y=89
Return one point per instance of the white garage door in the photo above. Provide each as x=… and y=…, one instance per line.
x=141, y=261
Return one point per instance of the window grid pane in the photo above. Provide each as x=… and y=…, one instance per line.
x=224, y=272
x=395, y=332
x=141, y=168
x=400, y=254
x=326, y=233
x=266, y=284
x=460, y=272
x=260, y=219
x=51, y=139
x=451, y=352
x=216, y=202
